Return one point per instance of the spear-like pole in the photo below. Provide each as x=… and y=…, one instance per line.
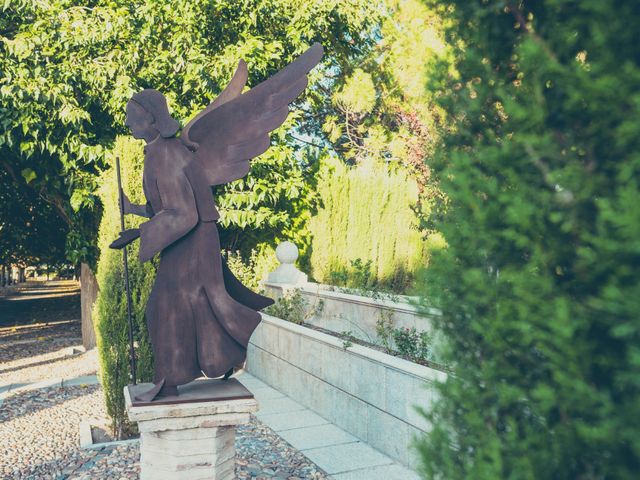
x=132, y=352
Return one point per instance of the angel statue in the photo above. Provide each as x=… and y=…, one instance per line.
x=199, y=315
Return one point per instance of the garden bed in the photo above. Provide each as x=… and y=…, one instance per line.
x=361, y=389
x=394, y=324
x=370, y=319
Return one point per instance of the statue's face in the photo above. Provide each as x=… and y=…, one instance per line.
x=140, y=122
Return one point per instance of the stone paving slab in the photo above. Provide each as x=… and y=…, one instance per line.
x=347, y=457
x=337, y=452
x=290, y=420
x=384, y=472
x=266, y=393
x=278, y=405
x=318, y=436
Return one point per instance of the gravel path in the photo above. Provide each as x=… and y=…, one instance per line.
x=39, y=431
x=32, y=350
x=43, y=351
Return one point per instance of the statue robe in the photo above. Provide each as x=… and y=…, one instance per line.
x=199, y=316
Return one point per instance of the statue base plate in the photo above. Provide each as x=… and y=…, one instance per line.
x=201, y=390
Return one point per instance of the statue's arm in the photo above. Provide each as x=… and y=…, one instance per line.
x=133, y=209
x=177, y=218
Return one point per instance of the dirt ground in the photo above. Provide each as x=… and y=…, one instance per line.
x=40, y=302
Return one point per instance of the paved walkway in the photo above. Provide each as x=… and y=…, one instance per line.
x=340, y=454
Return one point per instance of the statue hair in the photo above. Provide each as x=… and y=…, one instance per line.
x=155, y=103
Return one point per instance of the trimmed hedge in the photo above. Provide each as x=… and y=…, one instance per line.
x=110, y=310
x=539, y=287
x=365, y=233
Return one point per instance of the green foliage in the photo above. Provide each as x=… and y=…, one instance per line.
x=30, y=230
x=365, y=232
x=381, y=110
x=291, y=306
x=69, y=68
x=539, y=285
x=408, y=343
x=359, y=276
x=358, y=94
x=412, y=344
x=347, y=338
x=252, y=271
x=110, y=310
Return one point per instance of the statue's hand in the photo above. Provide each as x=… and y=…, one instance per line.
x=126, y=203
x=125, y=238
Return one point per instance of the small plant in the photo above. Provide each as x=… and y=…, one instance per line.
x=359, y=279
x=252, y=270
x=406, y=342
x=413, y=344
x=348, y=339
x=293, y=307
x=384, y=330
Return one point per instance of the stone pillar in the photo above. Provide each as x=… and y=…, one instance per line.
x=189, y=440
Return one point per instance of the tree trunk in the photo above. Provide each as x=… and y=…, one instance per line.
x=88, y=294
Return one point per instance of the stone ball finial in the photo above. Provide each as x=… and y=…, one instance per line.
x=287, y=273
x=287, y=253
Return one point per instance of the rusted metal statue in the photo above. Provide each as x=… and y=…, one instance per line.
x=199, y=315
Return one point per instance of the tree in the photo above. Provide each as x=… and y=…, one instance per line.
x=381, y=122
x=539, y=286
x=30, y=231
x=69, y=69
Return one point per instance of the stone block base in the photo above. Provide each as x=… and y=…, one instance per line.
x=189, y=440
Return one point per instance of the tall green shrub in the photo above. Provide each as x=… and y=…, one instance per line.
x=365, y=215
x=539, y=287
x=110, y=311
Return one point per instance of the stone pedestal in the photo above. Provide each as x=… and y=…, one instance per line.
x=193, y=440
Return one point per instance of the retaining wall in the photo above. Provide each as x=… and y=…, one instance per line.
x=368, y=393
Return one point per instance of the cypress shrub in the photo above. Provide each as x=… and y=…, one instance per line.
x=365, y=232
x=110, y=310
x=539, y=285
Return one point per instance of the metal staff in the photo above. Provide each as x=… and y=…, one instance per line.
x=132, y=352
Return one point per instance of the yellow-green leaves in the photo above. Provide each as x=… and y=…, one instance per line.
x=29, y=175
x=358, y=95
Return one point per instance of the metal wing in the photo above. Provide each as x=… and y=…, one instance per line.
x=227, y=135
x=230, y=92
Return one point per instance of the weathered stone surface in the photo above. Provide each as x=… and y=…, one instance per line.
x=188, y=410
x=189, y=440
x=362, y=390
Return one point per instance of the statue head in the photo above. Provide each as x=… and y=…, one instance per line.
x=148, y=116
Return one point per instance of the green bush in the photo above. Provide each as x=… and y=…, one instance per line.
x=260, y=262
x=408, y=343
x=292, y=307
x=539, y=285
x=365, y=233
x=110, y=310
